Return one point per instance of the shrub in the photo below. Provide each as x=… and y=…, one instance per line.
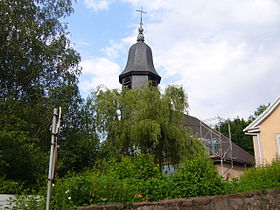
x=141, y=166
x=134, y=179
x=138, y=179
x=72, y=191
x=10, y=187
x=27, y=202
x=262, y=178
x=155, y=189
x=197, y=177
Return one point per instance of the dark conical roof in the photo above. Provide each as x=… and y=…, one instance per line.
x=140, y=60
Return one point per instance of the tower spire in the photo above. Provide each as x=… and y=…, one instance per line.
x=140, y=36
x=139, y=71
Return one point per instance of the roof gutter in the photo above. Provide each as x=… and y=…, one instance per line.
x=252, y=131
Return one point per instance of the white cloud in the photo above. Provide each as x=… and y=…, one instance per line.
x=257, y=11
x=98, y=71
x=224, y=53
x=153, y=5
x=114, y=48
x=131, y=39
x=97, y=5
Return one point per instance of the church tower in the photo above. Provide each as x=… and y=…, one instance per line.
x=139, y=71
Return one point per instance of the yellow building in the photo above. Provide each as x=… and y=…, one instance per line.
x=265, y=131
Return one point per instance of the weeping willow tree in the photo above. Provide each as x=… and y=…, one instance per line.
x=145, y=120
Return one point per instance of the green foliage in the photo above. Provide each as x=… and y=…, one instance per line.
x=10, y=187
x=141, y=166
x=27, y=202
x=259, y=111
x=144, y=120
x=21, y=158
x=38, y=71
x=262, y=178
x=79, y=144
x=78, y=152
x=94, y=189
x=36, y=57
x=198, y=177
x=130, y=180
x=194, y=178
x=237, y=126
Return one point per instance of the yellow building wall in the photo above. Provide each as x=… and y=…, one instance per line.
x=269, y=129
x=228, y=172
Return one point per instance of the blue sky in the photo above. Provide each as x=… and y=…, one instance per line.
x=224, y=53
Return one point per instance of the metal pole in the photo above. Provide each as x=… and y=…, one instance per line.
x=229, y=136
x=51, y=163
x=222, y=167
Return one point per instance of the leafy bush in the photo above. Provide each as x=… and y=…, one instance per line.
x=141, y=166
x=27, y=202
x=116, y=182
x=134, y=179
x=262, y=178
x=198, y=177
x=155, y=189
x=194, y=177
x=10, y=187
x=70, y=192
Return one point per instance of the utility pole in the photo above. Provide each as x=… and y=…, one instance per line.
x=53, y=152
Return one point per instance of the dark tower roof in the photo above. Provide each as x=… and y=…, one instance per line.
x=140, y=60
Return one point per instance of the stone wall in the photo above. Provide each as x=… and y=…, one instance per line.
x=269, y=199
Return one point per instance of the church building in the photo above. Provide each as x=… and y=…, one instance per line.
x=230, y=159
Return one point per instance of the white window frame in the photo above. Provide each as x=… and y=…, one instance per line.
x=278, y=144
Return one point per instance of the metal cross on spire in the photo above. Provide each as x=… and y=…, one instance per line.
x=142, y=12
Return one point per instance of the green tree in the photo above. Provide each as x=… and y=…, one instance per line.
x=259, y=111
x=238, y=125
x=21, y=159
x=237, y=134
x=38, y=71
x=144, y=120
x=80, y=148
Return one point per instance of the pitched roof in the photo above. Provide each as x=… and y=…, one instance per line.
x=201, y=130
x=254, y=126
x=140, y=60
